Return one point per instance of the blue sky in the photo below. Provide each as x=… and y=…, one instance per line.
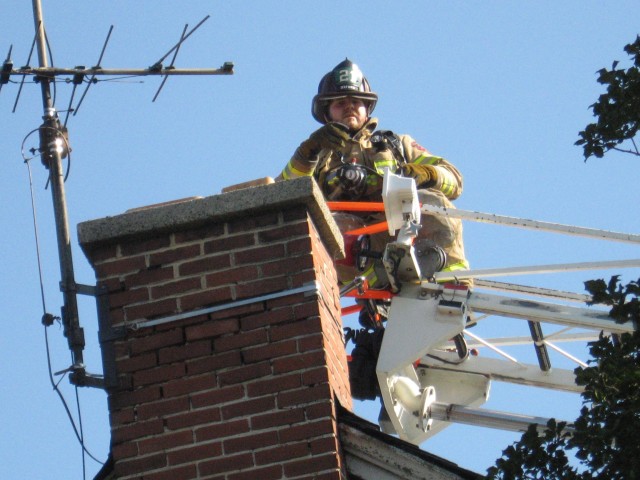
x=499, y=88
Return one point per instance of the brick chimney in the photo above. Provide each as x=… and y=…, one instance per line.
x=221, y=336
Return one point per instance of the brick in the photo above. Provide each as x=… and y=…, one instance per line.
x=135, y=247
x=253, y=222
x=124, y=450
x=148, y=276
x=120, y=267
x=284, y=232
x=271, y=350
x=277, y=418
x=163, y=408
x=137, y=430
x=166, y=441
x=182, y=472
x=152, y=309
x=302, y=327
x=173, y=255
x=214, y=328
x=294, y=214
x=156, y=340
x=250, y=442
x=122, y=417
x=227, y=463
x=304, y=395
x=290, y=266
x=248, y=407
x=300, y=246
x=103, y=253
x=229, y=243
x=214, y=363
x=205, y=265
x=188, y=385
x=312, y=465
x=315, y=376
x=331, y=475
x=259, y=254
x=240, y=340
x=206, y=298
x=266, y=473
x=127, y=399
x=158, y=375
x=306, y=308
x=139, y=465
x=282, y=453
x=176, y=288
x=190, y=419
x=310, y=342
x=110, y=285
x=271, y=385
x=194, y=453
x=217, y=396
x=240, y=310
x=207, y=231
x=262, y=319
x=324, y=445
x=127, y=297
x=319, y=410
x=232, y=276
x=306, y=431
x=244, y=373
x=222, y=430
x=261, y=287
x=138, y=362
x=303, y=278
x=298, y=362
x=184, y=352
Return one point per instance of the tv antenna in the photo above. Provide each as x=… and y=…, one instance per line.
x=54, y=146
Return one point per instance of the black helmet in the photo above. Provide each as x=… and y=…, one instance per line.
x=345, y=80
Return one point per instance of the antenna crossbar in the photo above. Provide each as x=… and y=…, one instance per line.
x=50, y=72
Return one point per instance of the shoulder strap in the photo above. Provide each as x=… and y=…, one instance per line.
x=386, y=139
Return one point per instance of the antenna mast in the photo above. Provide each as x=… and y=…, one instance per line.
x=52, y=148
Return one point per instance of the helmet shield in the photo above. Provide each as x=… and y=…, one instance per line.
x=345, y=80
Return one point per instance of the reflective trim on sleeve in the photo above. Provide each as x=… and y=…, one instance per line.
x=380, y=165
x=449, y=182
x=427, y=160
x=463, y=265
x=290, y=172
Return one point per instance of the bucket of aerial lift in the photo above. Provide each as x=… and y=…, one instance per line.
x=422, y=319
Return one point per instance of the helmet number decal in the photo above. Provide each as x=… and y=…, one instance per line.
x=351, y=76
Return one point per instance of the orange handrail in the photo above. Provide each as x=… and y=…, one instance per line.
x=357, y=206
x=369, y=229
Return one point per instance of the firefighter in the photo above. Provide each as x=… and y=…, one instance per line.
x=348, y=154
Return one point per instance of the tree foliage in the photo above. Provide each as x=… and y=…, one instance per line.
x=604, y=439
x=617, y=111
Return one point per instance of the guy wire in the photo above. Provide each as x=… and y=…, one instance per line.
x=79, y=435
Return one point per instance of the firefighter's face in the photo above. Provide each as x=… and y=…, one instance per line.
x=349, y=111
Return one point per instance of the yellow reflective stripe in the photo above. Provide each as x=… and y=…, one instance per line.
x=463, y=265
x=426, y=160
x=381, y=164
x=372, y=180
x=449, y=182
x=291, y=172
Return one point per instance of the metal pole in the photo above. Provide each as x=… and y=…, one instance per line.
x=489, y=418
x=49, y=132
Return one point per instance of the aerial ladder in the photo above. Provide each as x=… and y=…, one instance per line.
x=428, y=375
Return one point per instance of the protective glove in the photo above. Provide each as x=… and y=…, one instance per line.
x=425, y=175
x=332, y=136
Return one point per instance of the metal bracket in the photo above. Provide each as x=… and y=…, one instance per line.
x=308, y=289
